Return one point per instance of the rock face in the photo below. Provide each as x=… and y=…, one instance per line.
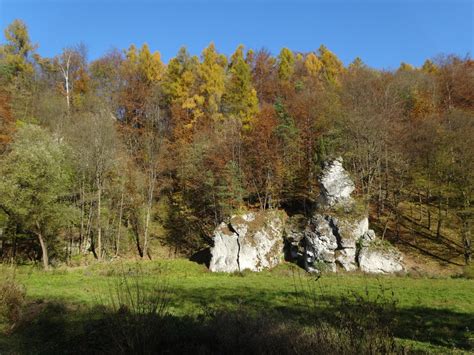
x=376, y=257
x=335, y=237
x=338, y=234
x=335, y=184
x=331, y=241
x=252, y=241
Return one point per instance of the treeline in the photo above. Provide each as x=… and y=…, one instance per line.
x=127, y=155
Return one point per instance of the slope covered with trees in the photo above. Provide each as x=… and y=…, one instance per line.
x=128, y=156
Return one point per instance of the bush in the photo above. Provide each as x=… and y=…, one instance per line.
x=12, y=300
x=468, y=271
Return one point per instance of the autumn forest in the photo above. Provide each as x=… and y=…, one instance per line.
x=126, y=156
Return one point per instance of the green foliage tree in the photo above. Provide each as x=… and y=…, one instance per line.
x=429, y=67
x=180, y=77
x=35, y=186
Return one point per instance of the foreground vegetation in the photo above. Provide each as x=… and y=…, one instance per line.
x=76, y=309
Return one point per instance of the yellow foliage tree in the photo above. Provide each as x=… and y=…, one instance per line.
x=286, y=64
x=332, y=67
x=240, y=97
x=211, y=77
x=313, y=65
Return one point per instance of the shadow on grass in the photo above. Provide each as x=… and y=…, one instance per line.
x=441, y=327
x=242, y=322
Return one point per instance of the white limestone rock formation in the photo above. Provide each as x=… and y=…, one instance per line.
x=335, y=184
x=336, y=237
x=320, y=244
x=347, y=259
x=252, y=241
x=380, y=258
x=338, y=234
x=333, y=241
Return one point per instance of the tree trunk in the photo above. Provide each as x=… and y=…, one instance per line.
x=81, y=231
x=466, y=238
x=117, y=244
x=440, y=219
x=420, y=205
x=151, y=188
x=99, y=229
x=44, y=251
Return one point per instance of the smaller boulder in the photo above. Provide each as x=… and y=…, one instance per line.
x=380, y=258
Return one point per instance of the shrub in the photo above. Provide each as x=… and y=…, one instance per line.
x=468, y=271
x=12, y=300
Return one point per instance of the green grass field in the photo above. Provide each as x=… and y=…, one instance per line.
x=432, y=314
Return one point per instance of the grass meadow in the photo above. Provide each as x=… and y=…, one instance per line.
x=64, y=308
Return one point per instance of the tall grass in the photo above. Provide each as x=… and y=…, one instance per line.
x=138, y=322
x=359, y=322
x=136, y=311
x=12, y=300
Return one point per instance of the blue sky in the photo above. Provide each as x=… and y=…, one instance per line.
x=383, y=33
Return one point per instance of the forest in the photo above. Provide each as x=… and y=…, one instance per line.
x=127, y=156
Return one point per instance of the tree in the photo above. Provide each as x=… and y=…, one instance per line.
x=332, y=67
x=405, y=67
x=313, y=65
x=72, y=64
x=429, y=67
x=17, y=69
x=95, y=143
x=107, y=78
x=240, y=98
x=141, y=72
x=6, y=121
x=286, y=62
x=150, y=65
x=211, y=77
x=179, y=77
x=16, y=54
x=262, y=163
x=35, y=185
x=357, y=64
x=180, y=93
